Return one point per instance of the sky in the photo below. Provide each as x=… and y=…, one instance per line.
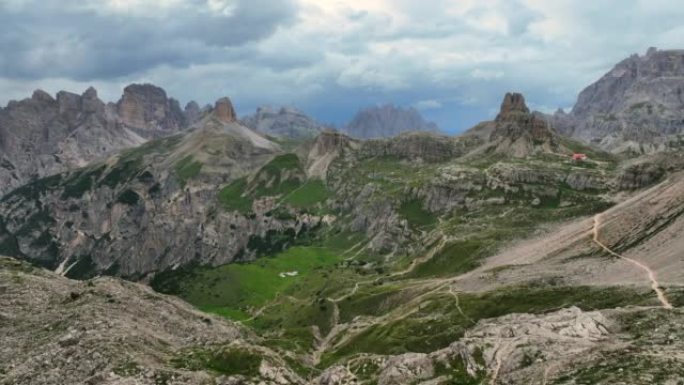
x=451, y=59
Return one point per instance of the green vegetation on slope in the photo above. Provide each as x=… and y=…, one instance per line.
x=455, y=258
x=283, y=176
x=308, y=195
x=232, y=199
x=232, y=289
x=438, y=322
x=413, y=211
x=228, y=360
x=187, y=168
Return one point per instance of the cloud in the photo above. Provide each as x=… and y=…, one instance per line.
x=428, y=104
x=478, y=73
x=331, y=57
x=88, y=40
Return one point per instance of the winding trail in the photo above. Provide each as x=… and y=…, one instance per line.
x=503, y=350
x=651, y=274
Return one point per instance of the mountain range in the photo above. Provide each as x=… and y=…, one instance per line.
x=637, y=107
x=387, y=121
x=149, y=244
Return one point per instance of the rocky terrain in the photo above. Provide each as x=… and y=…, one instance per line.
x=287, y=123
x=238, y=193
x=107, y=331
x=45, y=135
x=387, y=121
x=490, y=257
x=635, y=108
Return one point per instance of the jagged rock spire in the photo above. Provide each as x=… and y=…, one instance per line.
x=224, y=111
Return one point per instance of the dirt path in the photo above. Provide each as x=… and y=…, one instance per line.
x=458, y=305
x=498, y=356
x=651, y=274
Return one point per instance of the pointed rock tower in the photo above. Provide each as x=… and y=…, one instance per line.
x=224, y=111
x=520, y=133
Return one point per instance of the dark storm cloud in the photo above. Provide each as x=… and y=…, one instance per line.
x=41, y=39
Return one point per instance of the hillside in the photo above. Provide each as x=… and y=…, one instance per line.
x=116, y=332
x=488, y=256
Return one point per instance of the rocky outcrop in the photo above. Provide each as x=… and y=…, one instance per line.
x=427, y=147
x=193, y=113
x=387, y=121
x=634, y=108
x=639, y=174
x=147, y=110
x=517, y=132
x=224, y=111
x=511, y=349
x=114, y=332
x=327, y=147
x=283, y=123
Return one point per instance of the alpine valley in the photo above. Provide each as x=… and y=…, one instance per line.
x=143, y=243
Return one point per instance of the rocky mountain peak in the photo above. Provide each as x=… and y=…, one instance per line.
x=516, y=131
x=512, y=105
x=42, y=96
x=284, y=122
x=635, y=106
x=146, y=109
x=193, y=112
x=224, y=111
x=387, y=121
x=45, y=135
x=90, y=93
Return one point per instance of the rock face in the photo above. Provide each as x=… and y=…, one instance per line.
x=419, y=147
x=157, y=207
x=327, y=147
x=634, y=107
x=283, y=123
x=110, y=331
x=224, y=111
x=147, y=110
x=387, y=121
x=43, y=135
x=193, y=112
x=507, y=347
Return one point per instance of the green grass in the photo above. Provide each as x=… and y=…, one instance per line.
x=187, y=168
x=232, y=197
x=308, y=195
x=281, y=163
x=231, y=289
x=229, y=360
x=416, y=215
x=455, y=258
x=374, y=301
x=282, y=176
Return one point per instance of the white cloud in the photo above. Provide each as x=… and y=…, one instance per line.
x=430, y=104
x=478, y=73
x=463, y=54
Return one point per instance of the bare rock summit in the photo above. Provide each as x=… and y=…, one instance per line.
x=224, y=111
